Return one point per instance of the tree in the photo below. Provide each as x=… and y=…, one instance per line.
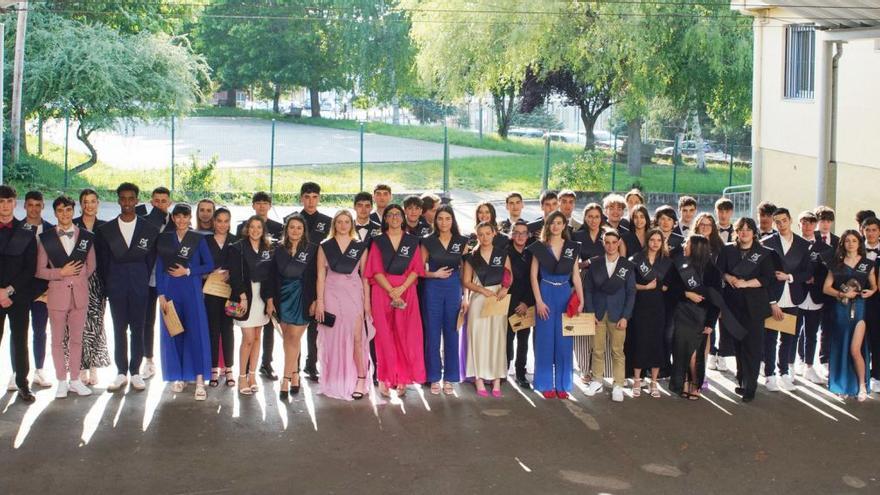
x=127, y=16
x=100, y=75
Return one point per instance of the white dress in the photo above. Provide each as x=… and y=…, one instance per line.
x=257, y=317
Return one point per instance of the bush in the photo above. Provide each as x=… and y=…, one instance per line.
x=584, y=173
x=198, y=178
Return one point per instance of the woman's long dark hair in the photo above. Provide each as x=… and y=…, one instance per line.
x=286, y=241
x=840, y=254
x=716, y=243
x=664, y=249
x=446, y=209
x=392, y=206
x=644, y=211
x=265, y=242
x=492, y=216
x=700, y=255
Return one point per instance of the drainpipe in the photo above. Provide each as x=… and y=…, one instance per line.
x=826, y=99
x=757, y=93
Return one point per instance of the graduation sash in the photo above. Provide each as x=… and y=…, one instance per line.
x=749, y=265
x=449, y=256
x=646, y=272
x=490, y=273
x=692, y=280
x=589, y=247
x=19, y=240
x=343, y=263
x=259, y=264
x=173, y=254
x=565, y=263
x=141, y=242
x=843, y=273
x=397, y=261
x=294, y=266
x=55, y=249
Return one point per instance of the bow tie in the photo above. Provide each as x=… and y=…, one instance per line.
x=7, y=225
x=726, y=229
x=873, y=250
x=68, y=234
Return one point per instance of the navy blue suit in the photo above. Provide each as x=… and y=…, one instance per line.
x=616, y=303
x=39, y=317
x=126, y=271
x=18, y=263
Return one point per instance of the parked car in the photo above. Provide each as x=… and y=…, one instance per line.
x=687, y=148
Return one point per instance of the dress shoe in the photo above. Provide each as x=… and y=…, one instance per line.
x=739, y=391
x=267, y=372
x=312, y=376
x=80, y=388
x=522, y=382
x=26, y=396
x=748, y=397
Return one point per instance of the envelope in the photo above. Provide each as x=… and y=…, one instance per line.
x=172, y=320
x=494, y=307
x=582, y=324
x=523, y=322
x=787, y=325
x=216, y=286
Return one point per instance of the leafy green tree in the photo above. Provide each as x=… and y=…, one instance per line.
x=127, y=16
x=101, y=76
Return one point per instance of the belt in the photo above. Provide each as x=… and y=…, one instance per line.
x=557, y=284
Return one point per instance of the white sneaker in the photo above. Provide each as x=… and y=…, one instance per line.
x=710, y=362
x=820, y=369
x=786, y=382
x=799, y=368
x=771, y=384
x=61, y=391
x=41, y=380
x=812, y=375
x=118, y=384
x=593, y=388
x=148, y=369
x=79, y=388
x=11, y=386
x=137, y=382
x=875, y=386
x=721, y=363
x=617, y=394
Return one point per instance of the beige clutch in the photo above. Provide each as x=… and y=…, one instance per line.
x=172, y=320
x=583, y=324
x=215, y=286
x=787, y=325
x=527, y=320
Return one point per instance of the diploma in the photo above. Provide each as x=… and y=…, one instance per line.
x=493, y=307
x=581, y=324
x=172, y=320
x=216, y=286
x=788, y=324
x=523, y=322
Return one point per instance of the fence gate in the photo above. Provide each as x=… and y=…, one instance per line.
x=741, y=196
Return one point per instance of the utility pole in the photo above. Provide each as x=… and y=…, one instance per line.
x=17, y=79
x=4, y=5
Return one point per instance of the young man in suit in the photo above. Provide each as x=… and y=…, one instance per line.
x=610, y=293
x=549, y=203
x=514, y=204
x=128, y=250
x=794, y=270
x=687, y=210
x=158, y=216
x=765, y=219
x=66, y=259
x=613, y=206
x=261, y=202
x=811, y=309
x=567, y=200
x=18, y=263
x=382, y=197
x=364, y=226
x=871, y=230
x=825, y=235
x=414, y=223
x=521, y=298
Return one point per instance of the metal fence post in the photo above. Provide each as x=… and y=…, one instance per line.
x=66, y=139
x=730, y=172
x=272, y=160
x=445, y=160
x=172, y=153
x=614, y=164
x=545, y=182
x=674, y=163
x=362, y=155
x=481, y=119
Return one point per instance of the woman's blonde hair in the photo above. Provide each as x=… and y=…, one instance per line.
x=343, y=212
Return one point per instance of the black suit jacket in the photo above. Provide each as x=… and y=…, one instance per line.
x=796, y=262
x=521, y=288
x=18, y=261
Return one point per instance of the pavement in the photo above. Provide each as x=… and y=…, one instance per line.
x=246, y=142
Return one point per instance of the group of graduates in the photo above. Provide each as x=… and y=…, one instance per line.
x=397, y=294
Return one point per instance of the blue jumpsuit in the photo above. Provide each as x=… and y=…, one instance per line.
x=553, y=351
x=442, y=303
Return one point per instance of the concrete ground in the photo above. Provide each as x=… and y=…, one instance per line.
x=246, y=142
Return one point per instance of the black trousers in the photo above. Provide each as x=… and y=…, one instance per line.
x=18, y=326
x=872, y=328
x=312, y=349
x=268, y=343
x=520, y=352
x=748, y=357
x=827, y=327
x=150, y=324
x=721, y=344
x=778, y=348
x=220, y=331
x=808, y=328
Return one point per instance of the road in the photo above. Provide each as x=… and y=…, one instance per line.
x=246, y=142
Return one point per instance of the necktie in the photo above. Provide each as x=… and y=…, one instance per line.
x=825, y=238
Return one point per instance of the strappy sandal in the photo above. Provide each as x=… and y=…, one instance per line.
x=230, y=382
x=449, y=388
x=637, y=388
x=654, y=392
x=201, y=393
x=401, y=390
x=435, y=388
x=215, y=378
x=256, y=386
x=360, y=395
x=244, y=389
x=692, y=395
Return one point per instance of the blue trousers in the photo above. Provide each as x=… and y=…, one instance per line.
x=442, y=303
x=39, y=318
x=553, y=352
x=128, y=310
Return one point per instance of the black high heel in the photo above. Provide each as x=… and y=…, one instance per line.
x=284, y=394
x=294, y=389
x=358, y=395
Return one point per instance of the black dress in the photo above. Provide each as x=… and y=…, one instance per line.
x=644, y=335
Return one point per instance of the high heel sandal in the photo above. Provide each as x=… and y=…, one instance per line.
x=256, y=386
x=358, y=395
x=230, y=382
x=637, y=387
x=215, y=378
x=284, y=394
x=294, y=389
x=654, y=392
x=244, y=389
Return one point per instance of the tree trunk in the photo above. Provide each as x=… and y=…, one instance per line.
x=698, y=138
x=276, y=97
x=83, y=136
x=634, y=147
x=503, y=99
x=314, y=97
x=589, y=121
x=230, y=102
